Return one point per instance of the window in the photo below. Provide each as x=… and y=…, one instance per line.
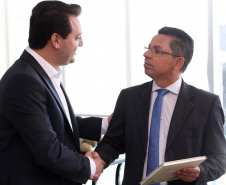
x=94, y=81
x=219, y=49
x=114, y=34
x=3, y=38
x=219, y=57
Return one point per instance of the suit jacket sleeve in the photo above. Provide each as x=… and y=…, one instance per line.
x=196, y=129
x=113, y=142
x=89, y=128
x=214, y=145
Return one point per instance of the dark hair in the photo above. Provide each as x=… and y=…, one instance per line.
x=50, y=17
x=182, y=44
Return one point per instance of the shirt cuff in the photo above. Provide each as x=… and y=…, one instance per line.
x=92, y=166
x=104, y=126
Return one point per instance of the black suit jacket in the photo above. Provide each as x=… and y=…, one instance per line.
x=196, y=129
x=37, y=145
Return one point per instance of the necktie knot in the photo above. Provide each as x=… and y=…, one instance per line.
x=162, y=92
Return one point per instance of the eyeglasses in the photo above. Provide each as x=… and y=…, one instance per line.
x=159, y=52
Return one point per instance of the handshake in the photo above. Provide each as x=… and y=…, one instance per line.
x=99, y=164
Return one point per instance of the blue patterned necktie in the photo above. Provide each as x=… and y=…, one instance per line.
x=153, y=149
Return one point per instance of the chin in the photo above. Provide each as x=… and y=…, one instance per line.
x=148, y=73
x=71, y=61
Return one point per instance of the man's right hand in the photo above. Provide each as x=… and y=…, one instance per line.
x=99, y=164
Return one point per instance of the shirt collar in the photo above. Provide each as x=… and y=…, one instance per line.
x=50, y=70
x=174, y=88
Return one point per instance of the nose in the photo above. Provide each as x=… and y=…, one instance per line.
x=80, y=44
x=147, y=54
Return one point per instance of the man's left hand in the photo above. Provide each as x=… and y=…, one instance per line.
x=188, y=174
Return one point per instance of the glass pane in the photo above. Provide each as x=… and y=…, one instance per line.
x=94, y=81
x=114, y=33
x=219, y=59
x=18, y=15
x=147, y=17
x=219, y=48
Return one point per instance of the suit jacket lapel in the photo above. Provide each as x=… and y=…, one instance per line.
x=142, y=106
x=182, y=109
x=29, y=59
x=73, y=119
x=45, y=78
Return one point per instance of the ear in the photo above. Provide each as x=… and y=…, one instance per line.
x=179, y=63
x=56, y=40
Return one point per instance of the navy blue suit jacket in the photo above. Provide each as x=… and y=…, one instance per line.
x=37, y=145
x=196, y=129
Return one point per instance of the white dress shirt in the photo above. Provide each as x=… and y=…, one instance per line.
x=168, y=105
x=55, y=77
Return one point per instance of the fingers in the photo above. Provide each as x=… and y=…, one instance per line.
x=95, y=177
x=99, y=164
x=187, y=178
x=89, y=154
x=92, y=154
x=95, y=155
x=188, y=174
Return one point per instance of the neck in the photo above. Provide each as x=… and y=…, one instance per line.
x=166, y=83
x=46, y=55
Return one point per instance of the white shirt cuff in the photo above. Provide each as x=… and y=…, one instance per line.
x=104, y=126
x=92, y=166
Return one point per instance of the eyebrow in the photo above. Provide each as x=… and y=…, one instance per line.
x=155, y=46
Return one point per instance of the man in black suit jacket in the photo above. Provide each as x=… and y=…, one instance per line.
x=39, y=133
x=191, y=119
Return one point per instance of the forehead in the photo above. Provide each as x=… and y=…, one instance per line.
x=75, y=24
x=161, y=41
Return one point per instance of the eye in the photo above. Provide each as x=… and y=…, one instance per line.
x=78, y=37
x=157, y=51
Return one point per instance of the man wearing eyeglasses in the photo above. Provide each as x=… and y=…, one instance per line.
x=191, y=120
